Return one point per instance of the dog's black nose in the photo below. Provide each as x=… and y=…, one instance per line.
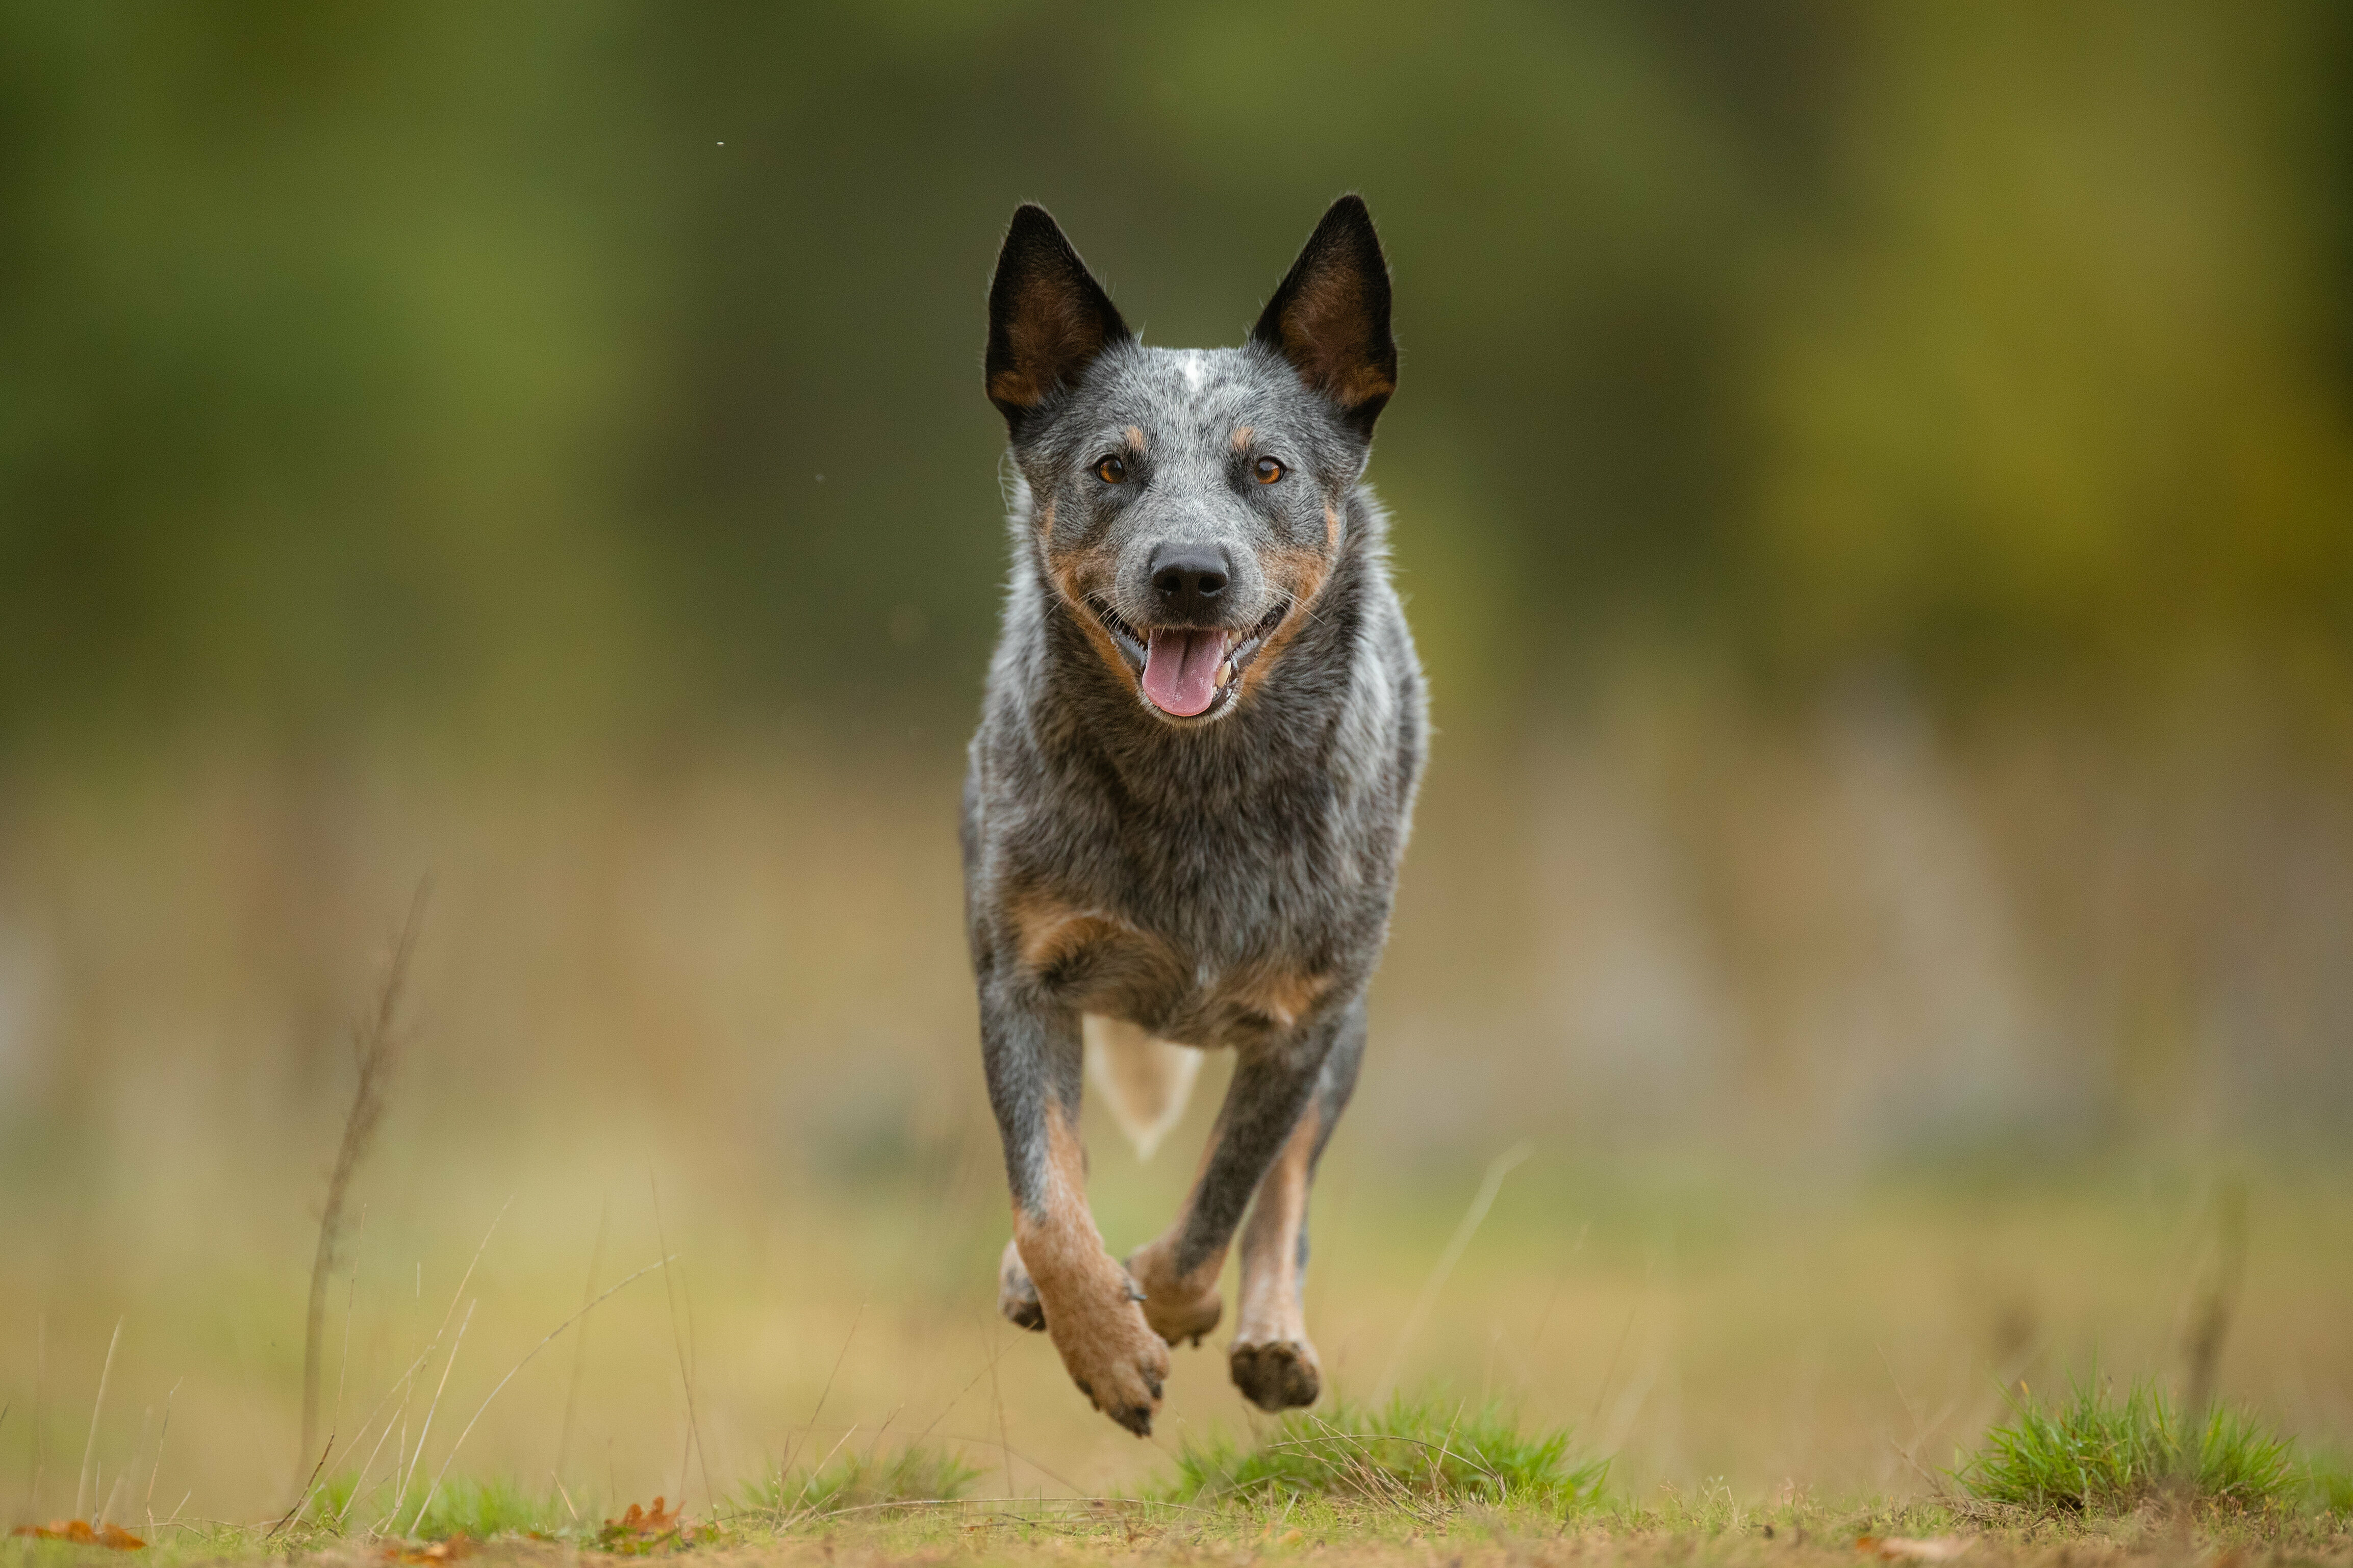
x=1187, y=577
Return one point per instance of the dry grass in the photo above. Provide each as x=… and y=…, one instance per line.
x=376, y=1041
x=1766, y=1008
x=1708, y=1529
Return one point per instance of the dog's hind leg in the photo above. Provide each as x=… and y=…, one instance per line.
x=1273, y=1360
x=1085, y=1301
x=1271, y=1090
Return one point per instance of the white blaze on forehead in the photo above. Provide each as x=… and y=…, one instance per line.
x=1192, y=368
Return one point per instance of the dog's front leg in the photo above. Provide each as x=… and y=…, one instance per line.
x=1033, y=1056
x=1264, y=1106
x=1273, y=1360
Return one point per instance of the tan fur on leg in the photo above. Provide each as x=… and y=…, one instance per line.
x=1181, y=1306
x=1090, y=1303
x=1178, y=1307
x=1274, y=1362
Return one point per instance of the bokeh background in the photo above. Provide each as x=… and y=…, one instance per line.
x=1875, y=487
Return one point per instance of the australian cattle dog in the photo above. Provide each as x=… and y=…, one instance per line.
x=1190, y=788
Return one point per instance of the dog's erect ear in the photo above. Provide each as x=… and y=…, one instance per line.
x=1047, y=318
x=1331, y=317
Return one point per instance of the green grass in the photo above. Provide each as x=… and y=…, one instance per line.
x=917, y=1473
x=2093, y=1453
x=1413, y=1454
x=481, y=1509
x=2328, y=1484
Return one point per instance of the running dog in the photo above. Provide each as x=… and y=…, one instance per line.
x=1190, y=788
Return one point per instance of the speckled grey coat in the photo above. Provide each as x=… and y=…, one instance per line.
x=1136, y=872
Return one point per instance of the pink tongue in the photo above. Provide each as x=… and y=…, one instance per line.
x=1180, y=672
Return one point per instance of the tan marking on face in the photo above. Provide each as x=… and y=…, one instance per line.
x=1243, y=436
x=1269, y=1309
x=1300, y=574
x=1106, y=1346
x=1134, y=434
x=1071, y=570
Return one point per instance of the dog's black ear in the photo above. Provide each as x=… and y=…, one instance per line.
x=1331, y=317
x=1047, y=318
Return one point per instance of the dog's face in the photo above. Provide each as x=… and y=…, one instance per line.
x=1189, y=503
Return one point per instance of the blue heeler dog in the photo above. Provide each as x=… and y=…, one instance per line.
x=1190, y=788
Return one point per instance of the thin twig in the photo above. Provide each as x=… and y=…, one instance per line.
x=146, y=1419
x=685, y=1372
x=580, y=1345
x=91, y=1449
x=351, y=1301
x=149, y=1505
x=308, y=1488
x=405, y=1382
x=1497, y=1169
x=426, y=1431
x=375, y=1050
x=40, y=1427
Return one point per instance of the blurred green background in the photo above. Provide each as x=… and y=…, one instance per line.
x=593, y=370
x=1875, y=487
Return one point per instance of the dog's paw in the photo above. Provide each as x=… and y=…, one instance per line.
x=1277, y=1375
x=1111, y=1353
x=1178, y=1309
x=1016, y=1293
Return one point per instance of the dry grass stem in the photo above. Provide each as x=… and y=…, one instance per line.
x=417, y=1458
x=89, y=1448
x=1497, y=1169
x=580, y=1344
x=376, y=1043
x=434, y=1490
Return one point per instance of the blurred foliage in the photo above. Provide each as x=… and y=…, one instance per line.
x=559, y=370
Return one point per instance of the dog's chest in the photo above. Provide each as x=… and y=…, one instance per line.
x=1209, y=934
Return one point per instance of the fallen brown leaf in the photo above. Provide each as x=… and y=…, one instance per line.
x=644, y=1530
x=82, y=1533
x=448, y=1550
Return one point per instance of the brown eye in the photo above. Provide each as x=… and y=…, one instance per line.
x=1112, y=471
x=1267, y=469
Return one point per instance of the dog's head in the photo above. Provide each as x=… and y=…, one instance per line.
x=1189, y=503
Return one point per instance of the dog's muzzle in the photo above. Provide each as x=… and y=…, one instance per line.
x=1189, y=672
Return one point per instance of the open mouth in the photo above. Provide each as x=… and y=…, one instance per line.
x=1189, y=672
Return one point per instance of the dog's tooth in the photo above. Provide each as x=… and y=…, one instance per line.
x=1225, y=672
